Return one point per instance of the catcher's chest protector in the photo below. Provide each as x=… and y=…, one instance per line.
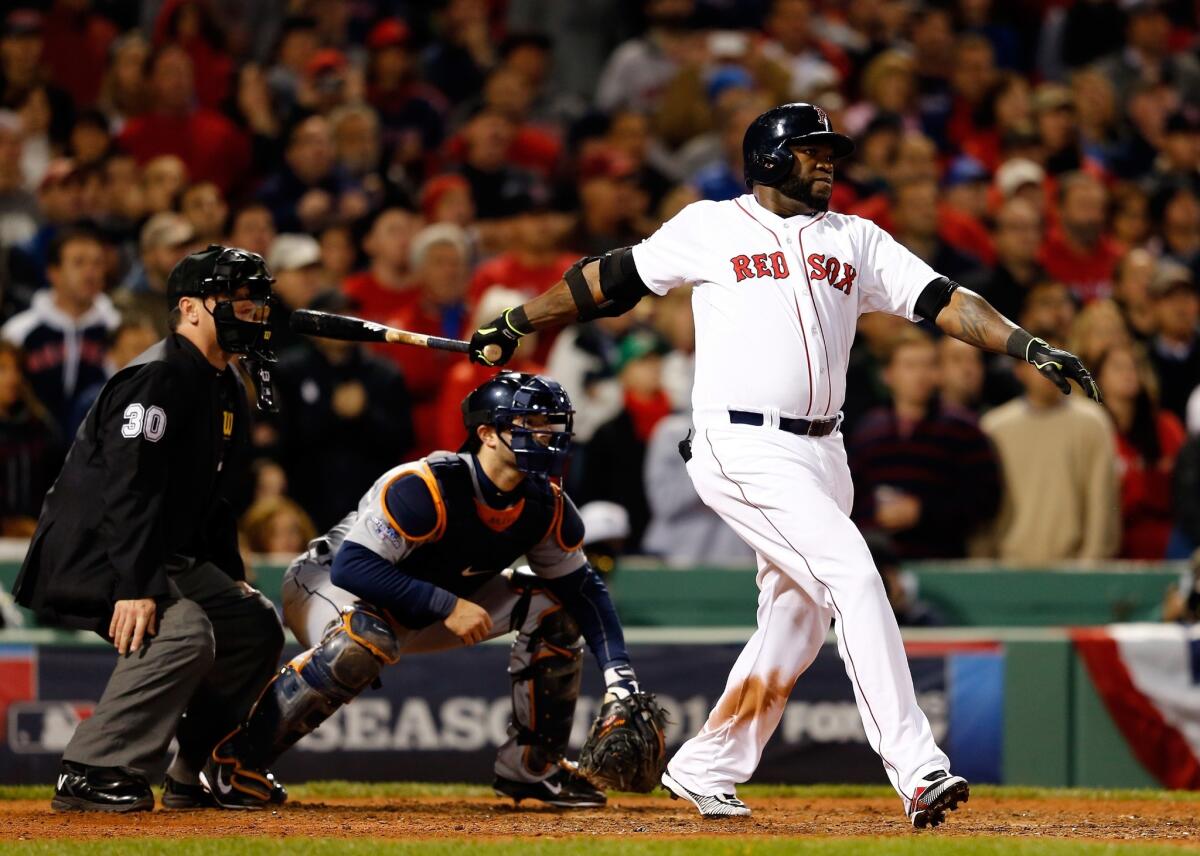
x=478, y=539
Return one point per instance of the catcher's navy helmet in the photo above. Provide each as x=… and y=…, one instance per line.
x=506, y=401
x=765, y=152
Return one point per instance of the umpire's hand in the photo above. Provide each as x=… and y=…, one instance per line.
x=132, y=622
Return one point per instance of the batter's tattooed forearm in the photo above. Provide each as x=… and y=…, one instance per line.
x=973, y=320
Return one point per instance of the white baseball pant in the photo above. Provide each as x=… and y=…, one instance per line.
x=789, y=498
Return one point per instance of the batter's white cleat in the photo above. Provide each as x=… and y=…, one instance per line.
x=716, y=805
x=931, y=802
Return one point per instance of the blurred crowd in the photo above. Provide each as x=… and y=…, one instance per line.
x=427, y=164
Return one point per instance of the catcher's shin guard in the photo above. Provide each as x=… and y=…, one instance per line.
x=310, y=689
x=546, y=669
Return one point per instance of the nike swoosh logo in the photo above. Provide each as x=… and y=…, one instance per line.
x=222, y=787
x=1040, y=366
x=553, y=787
x=486, y=331
x=467, y=572
x=62, y=780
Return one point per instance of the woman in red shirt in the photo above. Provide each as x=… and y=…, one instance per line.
x=1148, y=440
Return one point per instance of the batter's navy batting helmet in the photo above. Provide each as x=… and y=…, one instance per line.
x=506, y=402
x=765, y=152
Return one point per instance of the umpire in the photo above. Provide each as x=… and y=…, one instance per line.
x=137, y=542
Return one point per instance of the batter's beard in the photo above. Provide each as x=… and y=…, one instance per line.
x=801, y=190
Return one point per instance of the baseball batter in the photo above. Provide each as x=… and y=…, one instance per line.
x=778, y=284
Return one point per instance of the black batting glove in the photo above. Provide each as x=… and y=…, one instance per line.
x=494, y=343
x=1060, y=366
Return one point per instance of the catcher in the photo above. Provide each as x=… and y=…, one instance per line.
x=420, y=566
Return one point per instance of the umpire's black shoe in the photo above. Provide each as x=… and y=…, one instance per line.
x=81, y=787
x=564, y=788
x=178, y=796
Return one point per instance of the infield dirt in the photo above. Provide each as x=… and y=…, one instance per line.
x=1126, y=820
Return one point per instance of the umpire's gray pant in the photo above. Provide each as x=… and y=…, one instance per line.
x=217, y=646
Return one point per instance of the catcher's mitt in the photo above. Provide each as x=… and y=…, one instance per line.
x=626, y=747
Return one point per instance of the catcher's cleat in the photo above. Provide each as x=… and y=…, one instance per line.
x=82, y=787
x=712, y=805
x=564, y=788
x=233, y=785
x=177, y=796
x=931, y=802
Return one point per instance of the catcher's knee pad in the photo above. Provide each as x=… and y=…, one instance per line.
x=310, y=689
x=546, y=668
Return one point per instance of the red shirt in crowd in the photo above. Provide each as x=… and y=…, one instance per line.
x=210, y=145
x=957, y=228
x=425, y=369
x=75, y=45
x=1088, y=274
x=532, y=149
x=1146, y=493
x=376, y=301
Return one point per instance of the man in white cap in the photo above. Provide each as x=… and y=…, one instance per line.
x=295, y=259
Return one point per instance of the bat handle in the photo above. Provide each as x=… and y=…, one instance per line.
x=443, y=344
x=492, y=353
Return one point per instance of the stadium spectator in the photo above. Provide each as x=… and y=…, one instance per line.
x=1130, y=218
x=386, y=286
x=311, y=189
x=276, y=526
x=440, y=266
x=1148, y=441
x=1178, y=165
x=614, y=463
x=961, y=375
x=1131, y=292
x=204, y=207
x=22, y=73
x=529, y=54
x=1078, y=252
x=134, y=335
x=464, y=376
x=724, y=178
x=123, y=85
x=640, y=68
x=682, y=530
x=31, y=448
x=252, y=228
x=18, y=207
x=344, y=417
x=495, y=183
x=339, y=252
x=613, y=210
x=1048, y=306
x=211, y=146
x=814, y=65
x=1147, y=55
x=1018, y=236
x=1057, y=129
x=1098, y=327
x=60, y=200
x=923, y=471
x=64, y=333
x=165, y=239
x=535, y=261
x=915, y=219
x=1175, y=351
x=190, y=25
x=163, y=179
x=457, y=62
x=90, y=141
x=295, y=261
x=1180, y=219
x=410, y=112
x=889, y=89
x=1060, y=499
x=76, y=44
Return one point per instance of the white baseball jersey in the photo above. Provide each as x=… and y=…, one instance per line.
x=777, y=299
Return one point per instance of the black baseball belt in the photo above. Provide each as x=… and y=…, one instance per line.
x=803, y=427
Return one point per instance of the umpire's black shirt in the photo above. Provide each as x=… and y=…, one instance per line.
x=142, y=483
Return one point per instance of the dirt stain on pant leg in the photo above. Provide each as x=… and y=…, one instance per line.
x=752, y=699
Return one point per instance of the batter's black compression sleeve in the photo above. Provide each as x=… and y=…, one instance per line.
x=414, y=603
x=585, y=597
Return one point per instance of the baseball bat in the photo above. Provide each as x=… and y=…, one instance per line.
x=327, y=325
